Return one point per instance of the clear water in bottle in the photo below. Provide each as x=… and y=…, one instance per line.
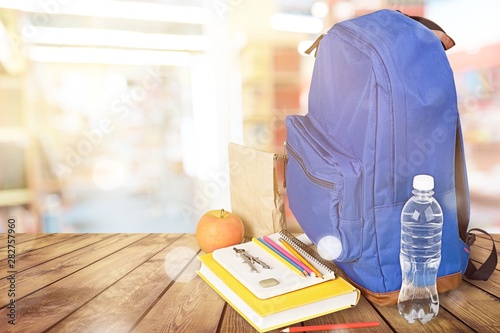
x=420, y=256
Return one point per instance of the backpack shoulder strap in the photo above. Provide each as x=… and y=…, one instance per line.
x=463, y=213
x=461, y=185
x=488, y=267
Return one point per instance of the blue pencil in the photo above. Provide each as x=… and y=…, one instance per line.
x=282, y=256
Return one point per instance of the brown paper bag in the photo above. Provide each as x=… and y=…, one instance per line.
x=254, y=190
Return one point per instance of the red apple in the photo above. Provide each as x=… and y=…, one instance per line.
x=217, y=229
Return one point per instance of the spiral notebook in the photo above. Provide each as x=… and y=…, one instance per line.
x=287, y=279
x=283, y=310
x=307, y=251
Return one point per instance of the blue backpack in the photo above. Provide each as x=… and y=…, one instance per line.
x=382, y=109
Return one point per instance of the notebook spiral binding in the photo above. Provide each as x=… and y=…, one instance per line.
x=307, y=252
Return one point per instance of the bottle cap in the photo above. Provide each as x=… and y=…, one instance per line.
x=423, y=182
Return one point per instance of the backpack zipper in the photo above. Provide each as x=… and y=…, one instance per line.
x=314, y=179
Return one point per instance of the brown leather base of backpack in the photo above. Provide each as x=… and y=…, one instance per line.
x=444, y=284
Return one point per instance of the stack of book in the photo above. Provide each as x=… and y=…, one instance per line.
x=286, y=284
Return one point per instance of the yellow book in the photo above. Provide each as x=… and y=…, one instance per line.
x=288, y=277
x=286, y=309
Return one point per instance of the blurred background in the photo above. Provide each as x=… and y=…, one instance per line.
x=116, y=115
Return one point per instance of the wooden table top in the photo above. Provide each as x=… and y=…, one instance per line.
x=148, y=283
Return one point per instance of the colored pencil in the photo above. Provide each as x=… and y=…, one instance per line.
x=330, y=327
x=300, y=257
x=289, y=256
x=267, y=247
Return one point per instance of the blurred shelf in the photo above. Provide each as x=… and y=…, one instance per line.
x=13, y=134
x=15, y=197
x=273, y=84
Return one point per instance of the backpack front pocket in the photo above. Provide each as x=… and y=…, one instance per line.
x=321, y=178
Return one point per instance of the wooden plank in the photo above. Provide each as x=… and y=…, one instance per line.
x=65, y=243
x=31, y=280
x=444, y=322
x=23, y=237
x=492, y=285
x=118, y=308
x=189, y=305
x=40, y=242
x=41, y=310
x=20, y=238
x=474, y=307
x=122, y=284
x=233, y=322
x=46, y=240
x=485, y=243
x=363, y=311
x=495, y=237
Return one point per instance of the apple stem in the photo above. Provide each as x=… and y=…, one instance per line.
x=222, y=212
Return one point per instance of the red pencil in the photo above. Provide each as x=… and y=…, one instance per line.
x=330, y=327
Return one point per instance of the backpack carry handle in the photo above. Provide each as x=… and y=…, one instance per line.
x=446, y=40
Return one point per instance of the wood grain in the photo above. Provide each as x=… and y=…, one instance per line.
x=148, y=283
x=444, y=322
x=496, y=237
x=20, y=238
x=485, y=242
x=476, y=308
x=46, y=307
x=64, y=265
x=189, y=304
x=363, y=311
x=233, y=322
x=39, y=242
x=119, y=307
x=492, y=285
x=42, y=253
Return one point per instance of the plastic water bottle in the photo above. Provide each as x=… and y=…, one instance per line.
x=420, y=256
